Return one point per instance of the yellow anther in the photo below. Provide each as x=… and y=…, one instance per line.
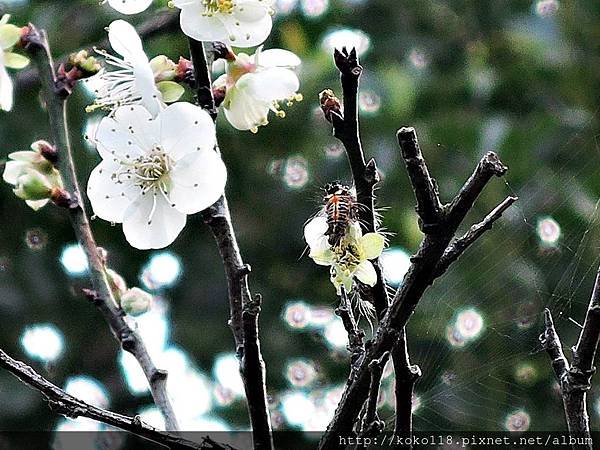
x=254, y=130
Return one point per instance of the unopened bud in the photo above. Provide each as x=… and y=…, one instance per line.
x=135, y=301
x=46, y=150
x=32, y=185
x=330, y=104
x=184, y=71
x=219, y=95
x=117, y=282
x=163, y=68
x=222, y=51
x=89, y=65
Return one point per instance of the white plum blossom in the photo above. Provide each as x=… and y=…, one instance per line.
x=132, y=80
x=9, y=36
x=155, y=171
x=129, y=6
x=350, y=258
x=241, y=23
x=254, y=85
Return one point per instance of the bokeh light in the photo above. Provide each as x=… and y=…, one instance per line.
x=548, y=231
x=314, y=8
x=295, y=172
x=525, y=373
x=162, y=271
x=335, y=335
x=369, y=102
x=73, y=260
x=87, y=389
x=546, y=8
x=395, y=262
x=285, y=6
x=297, y=314
x=454, y=338
x=334, y=150
x=418, y=59
x=469, y=323
x=300, y=372
x=36, y=239
x=43, y=342
x=226, y=371
x=517, y=421
x=346, y=37
x=296, y=408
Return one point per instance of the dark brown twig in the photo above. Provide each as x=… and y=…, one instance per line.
x=576, y=379
x=372, y=425
x=356, y=345
x=56, y=101
x=72, y=407
x=419, y=277
x=244, y=310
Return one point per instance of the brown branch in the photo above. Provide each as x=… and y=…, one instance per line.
x=460, y=245
x=243, y=310
x=72, y=407
x=56, y=101
x=575, y=380
x=160, y=22
x=372, y=425
x=356, y=345
x=406, y=377
x=419, y=277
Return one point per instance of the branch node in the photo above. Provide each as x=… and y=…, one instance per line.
x=159, y=375
x=347, y=62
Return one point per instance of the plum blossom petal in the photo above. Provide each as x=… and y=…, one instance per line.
x=315, y=229
x=276, y=57
x=241, y=23
x=109, y=197
x=130, y=6
x=273, y=84
x=372, y=245
x=198, y=180
x=185, y=128
x=6, y=86
x=131, y=79
x=151, y=222
x=365, y=272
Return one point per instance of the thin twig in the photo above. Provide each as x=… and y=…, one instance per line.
x=372, y=425
x=407, y=375
x=356, y=345
x=243, y=309
x=56, y=100
x=458, y=246
x=575, y=380
x=72, y=407
x=419, y=277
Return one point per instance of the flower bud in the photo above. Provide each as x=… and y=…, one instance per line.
x=46, y=150
x=330, y=104
x=32, y=185
x=135, y=301
x=117, y=282
x=89, y=65
x=163, y=68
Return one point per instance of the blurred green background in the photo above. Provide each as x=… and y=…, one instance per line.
x=518, y=77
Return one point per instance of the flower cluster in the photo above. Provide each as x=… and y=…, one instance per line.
x=349, y=258
x=254, y=85
x=9, y=37
x=33, y=175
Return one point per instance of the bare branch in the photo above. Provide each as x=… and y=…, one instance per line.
x=576, y=380
x=244, y=311
x=458, y=246
x=72, y=407
x=372, y=425
x=428, y=207
x=551, y=343
x=56, y=99
x=419, y=277
x=356, y=336
x=406, y=377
